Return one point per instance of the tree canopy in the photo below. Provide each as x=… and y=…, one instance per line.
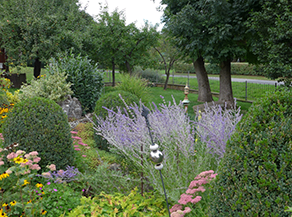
x=272, y=37
x=122, y=45
x=213, y=30
x=37, y=30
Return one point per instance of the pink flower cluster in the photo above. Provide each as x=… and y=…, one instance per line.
x=195, y=186
x=27, y=161
x=79, y=141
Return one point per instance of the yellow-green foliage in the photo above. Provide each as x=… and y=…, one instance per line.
x=120, y=205
x=13, y=98
x=134, y=85
x=53, y=87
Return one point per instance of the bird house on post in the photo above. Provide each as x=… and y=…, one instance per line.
x=186, y=101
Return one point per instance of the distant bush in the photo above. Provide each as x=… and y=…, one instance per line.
x=236, y=69
x=180, y=67
x=149, y=74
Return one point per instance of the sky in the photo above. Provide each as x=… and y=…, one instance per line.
x=135, y=10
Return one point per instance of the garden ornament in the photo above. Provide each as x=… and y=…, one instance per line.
x=156, y=156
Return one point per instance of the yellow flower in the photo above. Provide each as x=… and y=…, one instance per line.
x=28, y=201
x=44, y=212
x=5, y=204
x=25, y=182
x=4, y=116
x=18, y=160
x=12, y=203
x=24, y=160
x=39, y=185
x=4, y=175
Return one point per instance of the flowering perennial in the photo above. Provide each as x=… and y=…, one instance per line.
x=215, y=125
x=172, y=130
x=191, y=195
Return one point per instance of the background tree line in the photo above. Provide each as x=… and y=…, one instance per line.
x=195, y=31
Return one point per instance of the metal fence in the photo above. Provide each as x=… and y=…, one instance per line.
x=245, y=90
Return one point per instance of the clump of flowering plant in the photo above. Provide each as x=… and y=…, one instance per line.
x=215, y=125
x=61, y=176
x=18, y=169
x=172, y=130
x=191, y=196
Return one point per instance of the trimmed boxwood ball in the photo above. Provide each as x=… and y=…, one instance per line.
x=39, y=124
x=111, y=100
x=255, y=175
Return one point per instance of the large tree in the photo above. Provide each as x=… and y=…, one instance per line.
x=34, y=30
x=185, y=22
x=210, y=29
x=272, y=37
x=228, y=38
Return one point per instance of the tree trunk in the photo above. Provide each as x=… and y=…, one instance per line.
x=128, y=67
x=114, y=66
x=37, y=68
x=225, y=94
x=166, y=80
x=205, y=94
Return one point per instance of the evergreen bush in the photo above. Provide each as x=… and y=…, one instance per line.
x=39, y=124
x=86, y=78
x=255, y=175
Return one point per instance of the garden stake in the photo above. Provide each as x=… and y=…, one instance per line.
x=155, y=155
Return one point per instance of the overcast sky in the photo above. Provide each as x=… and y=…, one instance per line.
x=135, y=10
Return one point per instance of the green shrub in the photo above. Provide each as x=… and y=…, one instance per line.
x=52, y=87
x=39, y=124
x=121, y=205
x=3, y=99
x=236, y=69
x=134, y=85
x=255, y=175
x=180, y=67
x=150, y=75
x=87, y=80
x=112, y=101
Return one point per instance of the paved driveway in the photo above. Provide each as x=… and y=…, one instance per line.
x=234, y=79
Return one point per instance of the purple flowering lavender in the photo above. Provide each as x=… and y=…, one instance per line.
x=215, y=126
x=172, y=130
x=60, y=176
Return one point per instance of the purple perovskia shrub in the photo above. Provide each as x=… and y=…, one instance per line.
x=175, y=133
x=172, y=130
x=215, y=125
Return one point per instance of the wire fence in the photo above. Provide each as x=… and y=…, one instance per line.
x=245, y=90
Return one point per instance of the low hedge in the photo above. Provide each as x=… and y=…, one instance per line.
x=213, y=69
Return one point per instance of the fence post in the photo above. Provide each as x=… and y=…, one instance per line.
x=188, y=78
x=245, y=90
x=275, y=86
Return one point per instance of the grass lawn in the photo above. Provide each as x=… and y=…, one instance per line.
x=155, y=94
